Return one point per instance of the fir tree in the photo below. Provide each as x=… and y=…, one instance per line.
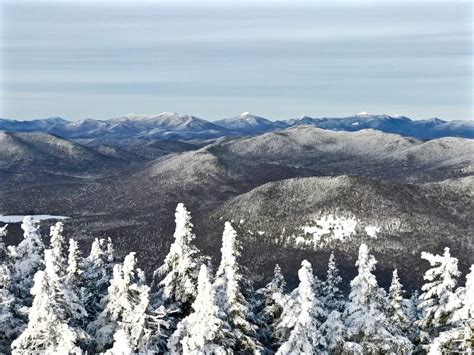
x=331, y=293
x=335, y=332
x=48, y=329
x=459, y=338
x=205, y=330
x=270, y=309
x=179, y=273
x=28, y=257
x=364, y=315
x=438, y=301
x=8, y=321
x=305, y=336
x=228, y=286
x=98, y=269
x=396, y=311
x=59, y=248
x=4, y=255
x=127, y=308
x=75, y=286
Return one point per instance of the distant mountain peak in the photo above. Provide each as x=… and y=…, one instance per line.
x=56, y=120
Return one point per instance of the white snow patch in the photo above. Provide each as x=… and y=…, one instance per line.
x=372, y=231
x=19, y=218
x=328, y=228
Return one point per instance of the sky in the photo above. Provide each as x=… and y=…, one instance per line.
x=277, y=59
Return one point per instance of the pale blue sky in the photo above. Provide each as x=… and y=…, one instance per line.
x=214, y=60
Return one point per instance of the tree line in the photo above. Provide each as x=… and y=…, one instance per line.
x=55, y=300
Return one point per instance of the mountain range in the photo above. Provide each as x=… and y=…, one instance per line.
x=172, y=126
x=292, y=193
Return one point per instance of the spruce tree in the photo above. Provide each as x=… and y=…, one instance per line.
x=331, y=293
x=458, y=338
x=396, y=307
x=438, y=300
x=365, y=312
x=270, y=308
x=205, y=330
x=9, y=323
x=28, y=259
x=230, y=298
x=48, y=328
x=127, y=309
x=59, y=247
x=335, y=332
x=98, y=269
x=179, y=273
x=305, y=336
x=4, y=254
x=75, y=286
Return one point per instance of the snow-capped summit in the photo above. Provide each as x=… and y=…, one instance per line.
x=246, y=123
x=172, y=125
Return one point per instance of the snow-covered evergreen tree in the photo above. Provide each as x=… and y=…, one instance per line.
x=397, y=306
x=98, y=269
x=438, y=300
x=48, y=326
x=4, y=255
x=205, y=330
x=335, y=332
x=75, y=286
x=59, y=248
x=9, y=323
x=365, y=312
x=331, y=293
x=230, y=298
x=28, y=257
x=459, y=337
x=269, y=309
x=179, y=273
x=127, y=308
x=305, y=336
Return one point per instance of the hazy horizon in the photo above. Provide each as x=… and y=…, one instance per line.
x=216, y=60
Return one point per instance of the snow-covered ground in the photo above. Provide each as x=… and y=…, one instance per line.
x=330, y=227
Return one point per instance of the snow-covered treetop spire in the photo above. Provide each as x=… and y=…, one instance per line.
x=56, y=234
x=30, y=227
x=332, y=294
x=74, y=258
x=183, y=232
x=179, y=271
x=58, y=246
x=364, y=285
x=230, y=248
x=396, y=306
